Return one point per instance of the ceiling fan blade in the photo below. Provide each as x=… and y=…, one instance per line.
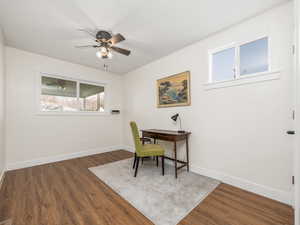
x=116, y=39
x=92, y=34
x=87, y=46
x=120, y=50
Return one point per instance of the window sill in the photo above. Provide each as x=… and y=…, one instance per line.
x=73, y=114
x=247, y=79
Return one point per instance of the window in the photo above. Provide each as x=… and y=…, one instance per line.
x=240, y=60
x=91, y=97
x=64, y=95
x=223, y=65
x=254, y=57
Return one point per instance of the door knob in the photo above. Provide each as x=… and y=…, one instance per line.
x=291, y=132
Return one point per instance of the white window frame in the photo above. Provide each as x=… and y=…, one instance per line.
x=237, y=76
x=78, y=82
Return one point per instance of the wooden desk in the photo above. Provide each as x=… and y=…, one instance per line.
x=174, y=137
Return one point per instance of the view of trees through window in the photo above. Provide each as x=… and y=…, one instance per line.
x=93, y=103
x=60, y=95
x=58, y=103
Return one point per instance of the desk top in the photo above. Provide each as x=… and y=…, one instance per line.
x=167, y=132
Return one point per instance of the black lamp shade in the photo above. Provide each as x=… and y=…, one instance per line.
x=175, y=117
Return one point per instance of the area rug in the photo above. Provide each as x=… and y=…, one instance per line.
x=162, y=199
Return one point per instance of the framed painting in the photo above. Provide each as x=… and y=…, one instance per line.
x=174, y=90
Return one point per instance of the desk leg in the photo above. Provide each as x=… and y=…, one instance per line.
x=175, y=152
x=143, y=142
x=187, y=154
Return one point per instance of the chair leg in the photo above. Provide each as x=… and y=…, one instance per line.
x=137, y=165
x=154, y=141
x=163, y=164
x=142, y=160
x=157, y=161
x=134, y=161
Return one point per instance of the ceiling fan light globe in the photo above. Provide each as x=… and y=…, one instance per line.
x=109, y=55
x=99, y=54
x=103, y=49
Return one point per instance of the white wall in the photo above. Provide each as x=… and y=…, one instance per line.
x=2, y=118
x=33, y=138
x=238, y=133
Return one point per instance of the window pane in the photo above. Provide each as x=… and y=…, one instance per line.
x=58, y=95
x=223, y=64
x=254, y=57
x=91, y=98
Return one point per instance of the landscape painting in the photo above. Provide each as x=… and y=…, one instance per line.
x=174, y=90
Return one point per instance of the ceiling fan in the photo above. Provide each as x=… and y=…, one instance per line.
x=105, y=43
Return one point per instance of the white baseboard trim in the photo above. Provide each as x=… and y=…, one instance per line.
x=129, y=148
x=51, y=159
x=272, y=193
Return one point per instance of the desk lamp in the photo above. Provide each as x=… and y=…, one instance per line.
x=175, y=118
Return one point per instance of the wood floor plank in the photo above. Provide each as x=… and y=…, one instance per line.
x=67, y=193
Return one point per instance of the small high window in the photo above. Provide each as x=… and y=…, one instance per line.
x=239, y=60
x=254, y=57
x=223, y=65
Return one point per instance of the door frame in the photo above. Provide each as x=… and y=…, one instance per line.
x=296, y=94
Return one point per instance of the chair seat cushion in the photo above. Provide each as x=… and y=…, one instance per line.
x=151, y=150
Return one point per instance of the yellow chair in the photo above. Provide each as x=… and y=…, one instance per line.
x=146, y=150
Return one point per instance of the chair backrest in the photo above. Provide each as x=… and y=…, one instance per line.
x=136, y=137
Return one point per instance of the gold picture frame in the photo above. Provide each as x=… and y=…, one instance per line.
x=173, y=91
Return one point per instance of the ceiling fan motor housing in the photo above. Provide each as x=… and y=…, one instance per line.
x=102, y=34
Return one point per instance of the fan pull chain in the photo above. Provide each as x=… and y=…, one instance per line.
x=105, y=67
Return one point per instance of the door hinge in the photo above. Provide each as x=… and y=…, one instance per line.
x=293, y=49
x=293, y=115
x=293, y=180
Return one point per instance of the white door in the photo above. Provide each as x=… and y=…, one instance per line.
x=297, y=108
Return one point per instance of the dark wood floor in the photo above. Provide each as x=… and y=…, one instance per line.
x=66, y=193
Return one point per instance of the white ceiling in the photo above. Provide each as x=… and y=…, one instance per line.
x=152, y=28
